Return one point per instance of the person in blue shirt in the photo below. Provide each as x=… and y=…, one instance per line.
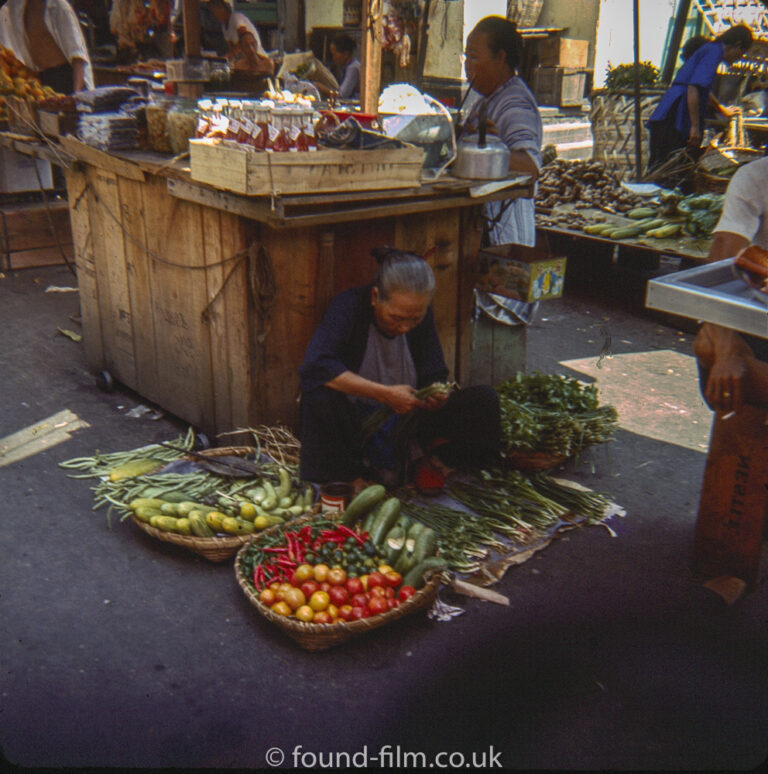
x=678, y=120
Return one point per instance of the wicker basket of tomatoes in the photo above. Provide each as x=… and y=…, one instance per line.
x=323, y=583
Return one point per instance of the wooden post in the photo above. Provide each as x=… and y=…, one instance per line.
x=370, y=81
x=734, y=498
x=191, y=19
x=638, y=111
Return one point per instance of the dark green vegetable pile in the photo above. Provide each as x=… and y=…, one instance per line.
x=553, y=413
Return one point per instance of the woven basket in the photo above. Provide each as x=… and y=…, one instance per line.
x=215, y=549
x=322, y=636
x=717, y=158
x=534, y=462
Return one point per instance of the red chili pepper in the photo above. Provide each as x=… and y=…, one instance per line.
x=350, y=533
x=285, y=563
x=277, y=550
x=306, y=534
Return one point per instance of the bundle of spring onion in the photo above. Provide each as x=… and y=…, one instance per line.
x=553, y=413
x=504, y=508
x=379, y=417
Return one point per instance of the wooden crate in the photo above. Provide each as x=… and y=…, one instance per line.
x=58, y=123
x=323, y=171
x=22, y=115
x=559, y=86
x=563, y=52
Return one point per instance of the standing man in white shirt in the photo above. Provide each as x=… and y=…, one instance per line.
x=46, y=36
x=243, y=41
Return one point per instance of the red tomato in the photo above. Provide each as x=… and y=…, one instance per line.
x=339, y=595
x=359, y=600
x=378, y=605
x=309, y=588
x=295, y=580
x=354, y=586
x=406, y=592
x=325, y=586
x=389, y=592
x=357, y=613
x=337, y=576
x=392, y=603
x=393, y=578
x=345, y=612
x=376, y=579
x=322, y=617
x=378, y=591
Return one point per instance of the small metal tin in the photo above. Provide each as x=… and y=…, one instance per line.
x=335, y=496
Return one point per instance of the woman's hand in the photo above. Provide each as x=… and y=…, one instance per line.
x=434, y=402
x=725, y=387
x=401, y=398
x=729, y=111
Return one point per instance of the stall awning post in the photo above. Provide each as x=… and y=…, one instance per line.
x=370, y=81
x=681, y=17
x=638, y=118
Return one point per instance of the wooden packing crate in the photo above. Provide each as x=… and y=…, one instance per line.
x=323, y=171
x=563, y=52
x=57, y=124
x=559, y=86
x=22, y=115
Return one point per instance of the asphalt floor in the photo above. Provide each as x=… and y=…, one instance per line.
x=120, y=651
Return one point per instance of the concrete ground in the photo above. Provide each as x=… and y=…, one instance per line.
x=120, y=651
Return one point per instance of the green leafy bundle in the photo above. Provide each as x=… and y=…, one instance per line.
x=553, y=413
x=622, y=77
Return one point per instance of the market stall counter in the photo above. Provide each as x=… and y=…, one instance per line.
x=203, y=300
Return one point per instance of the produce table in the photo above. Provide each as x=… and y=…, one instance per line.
x=203, y=301
x=684, y=247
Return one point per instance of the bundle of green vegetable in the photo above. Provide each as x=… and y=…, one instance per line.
x=382, y=415
x=552, y=413
x=622, y=77
x=126, y=476
x=502, y=509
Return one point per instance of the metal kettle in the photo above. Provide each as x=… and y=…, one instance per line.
x=481, y=156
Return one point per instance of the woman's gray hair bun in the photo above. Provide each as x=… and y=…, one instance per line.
x=401, y=270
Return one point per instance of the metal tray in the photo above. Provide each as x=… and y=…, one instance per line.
x=711, y=293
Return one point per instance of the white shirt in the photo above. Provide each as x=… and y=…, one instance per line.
x=231, y=30
x=61, y=22
x=745, y=211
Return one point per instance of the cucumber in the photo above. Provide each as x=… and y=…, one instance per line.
x=284, y=489
x=267, y=520
x=198, y=524
x=185, y=507
x=170, y=509
x=638, y=213
x=183, y=526
x=362, y=503
x=146, y=502
x=393, y=544
x=385, y=520
x=234, y=525
x=424, y=545
x=213, y=519
x=145, y=513
x=270, y=498
x=165, y=523
x=415, y=576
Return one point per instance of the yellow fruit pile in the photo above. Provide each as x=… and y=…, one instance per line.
x=17, y=80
